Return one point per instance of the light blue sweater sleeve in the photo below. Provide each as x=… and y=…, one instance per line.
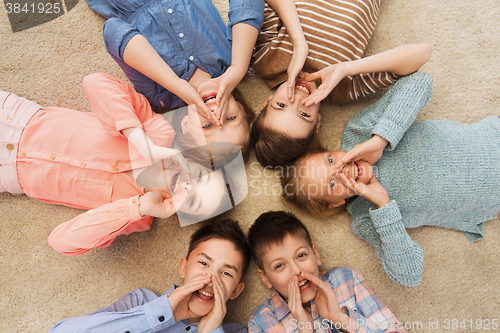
x=393, y=114
x=401, y=257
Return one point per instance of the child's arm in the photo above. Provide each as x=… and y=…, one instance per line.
x=99, y=227
x=140, y=55
x=287, y=13
x=401, y=257
x=402, y=60
x=142, y=311
x=244, y=38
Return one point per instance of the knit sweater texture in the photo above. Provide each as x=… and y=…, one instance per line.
x=439, y=173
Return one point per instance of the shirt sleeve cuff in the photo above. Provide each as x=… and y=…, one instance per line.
x=218, y=330
x=133, y=207
x=117, y=33
x=390, y=131
x=358, y=323
x=386, y=215
x=252, y=14
x=127, y=123
x=159, y=313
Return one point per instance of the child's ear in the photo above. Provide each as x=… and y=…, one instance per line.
x=182, y=267
x=185, y=125
x=332, y=205
x=237, y=291
x=317, y=255
x=264, y=279
x=318, y=123
x=265, y=103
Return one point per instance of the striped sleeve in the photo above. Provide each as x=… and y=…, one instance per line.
x=335, y=30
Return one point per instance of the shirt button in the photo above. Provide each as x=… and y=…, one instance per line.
x=188, y=328
x=116, y=169
x=9, y=119
x=52, y=157
x=181, y=35
x=23, y=155
x=314, y=313
x=83, y=164
x=191, y=58
x=134, y=201
x=161, y=318
x=170, y=10
x=10, y=146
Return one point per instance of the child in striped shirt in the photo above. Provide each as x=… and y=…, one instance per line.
x=328, y=39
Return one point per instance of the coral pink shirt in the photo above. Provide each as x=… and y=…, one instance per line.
x=79, y=159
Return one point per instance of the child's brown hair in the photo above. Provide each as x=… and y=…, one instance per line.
x=226, y=229
x=272, y=228
x=277, y=149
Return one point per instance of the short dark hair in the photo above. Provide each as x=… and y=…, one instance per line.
x=226, y=229
x=273, y=148
x=272, y=228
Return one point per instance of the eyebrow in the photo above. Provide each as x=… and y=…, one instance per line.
x=225, y=265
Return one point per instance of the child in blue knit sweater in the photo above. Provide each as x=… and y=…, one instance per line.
x=406, y=174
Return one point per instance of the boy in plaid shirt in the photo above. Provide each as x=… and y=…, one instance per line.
x=304, y=299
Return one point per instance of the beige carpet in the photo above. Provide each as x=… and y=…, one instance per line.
x=47, y=64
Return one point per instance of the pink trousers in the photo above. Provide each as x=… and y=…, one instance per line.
x=15, y=113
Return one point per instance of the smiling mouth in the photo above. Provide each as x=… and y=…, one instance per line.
x=304, y=284
x=209, y=99
x=174, y=184
x=204, y=295
x=301, y=85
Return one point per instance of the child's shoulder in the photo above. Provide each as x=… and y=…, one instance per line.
x=264, y=310
x=339, y=275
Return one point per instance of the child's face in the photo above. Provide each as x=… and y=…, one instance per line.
x=293, y=256
x=206, y=189
x=234, y=127
x=293, y=118
x=321, y=180
x=216, y=257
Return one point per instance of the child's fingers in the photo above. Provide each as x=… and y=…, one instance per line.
x=291, y=88
x=312, y=76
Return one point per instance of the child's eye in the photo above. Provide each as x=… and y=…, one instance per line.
x=230, y=118
x=203, y=263
x=207, y=126
x=277, y=266
x=281, y=105
x=330, y=160
x=302, y=255
x=332, y=184
x=227, y=274
x=199, y=177
x=191, y=202
x=303, y=114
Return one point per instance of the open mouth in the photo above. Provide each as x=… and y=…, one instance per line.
x=174, y=183
x=359, y=171
x=303, y=86
x=209, y=99
x=304, y=285
x=204, y=295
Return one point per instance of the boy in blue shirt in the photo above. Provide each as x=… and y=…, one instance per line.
x=217, y=258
